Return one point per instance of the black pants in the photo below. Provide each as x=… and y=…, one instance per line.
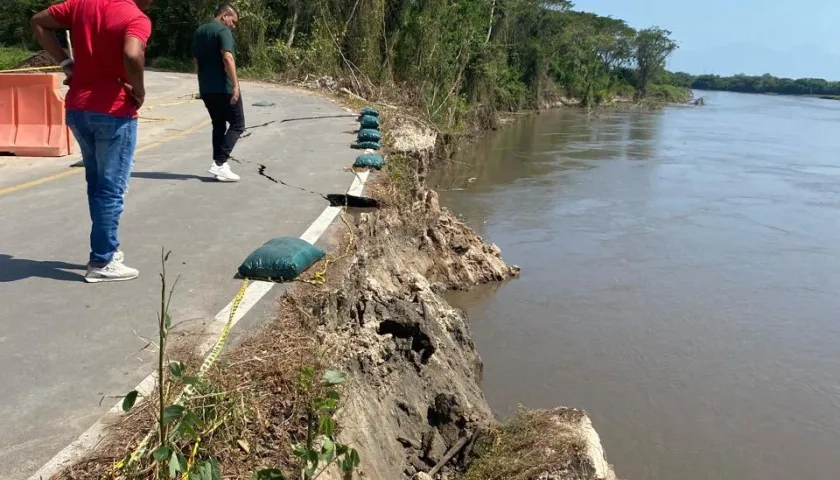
x=223, y=113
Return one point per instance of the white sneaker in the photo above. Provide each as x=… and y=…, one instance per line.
x=223, y=173
x=119, y=257
x=113, y=272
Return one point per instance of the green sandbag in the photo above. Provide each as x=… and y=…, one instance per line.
x=369, y=160
x=369, y=135
x=367, y=145
x=369, y=111
x=368, y=121
x=280, y=260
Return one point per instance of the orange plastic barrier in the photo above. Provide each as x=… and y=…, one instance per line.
x=32, y=122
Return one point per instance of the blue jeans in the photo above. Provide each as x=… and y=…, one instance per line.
x=107, y=143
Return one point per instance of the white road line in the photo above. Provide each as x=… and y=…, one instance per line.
x=254, y=293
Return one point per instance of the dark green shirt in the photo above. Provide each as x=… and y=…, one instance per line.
x=208, y=43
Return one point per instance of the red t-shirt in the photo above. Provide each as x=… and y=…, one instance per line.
x=98, y=29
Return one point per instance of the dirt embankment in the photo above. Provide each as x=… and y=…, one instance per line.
x=415, y=405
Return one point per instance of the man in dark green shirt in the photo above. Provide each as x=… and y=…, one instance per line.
x=213, y=49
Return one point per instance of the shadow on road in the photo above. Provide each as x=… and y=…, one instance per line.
x=13, y=269
x=171, y=176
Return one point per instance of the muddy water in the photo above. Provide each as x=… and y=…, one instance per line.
x=681, y=281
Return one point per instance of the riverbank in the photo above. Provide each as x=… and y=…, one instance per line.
x=412, y=403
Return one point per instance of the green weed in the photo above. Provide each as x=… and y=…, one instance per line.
x=320, y=450
x=181, y=428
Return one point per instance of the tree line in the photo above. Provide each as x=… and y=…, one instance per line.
x=754, y=84
x=446, y=56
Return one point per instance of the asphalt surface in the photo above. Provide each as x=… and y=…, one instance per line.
x=65, y=344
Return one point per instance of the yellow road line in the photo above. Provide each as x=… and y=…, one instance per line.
x=59, y=176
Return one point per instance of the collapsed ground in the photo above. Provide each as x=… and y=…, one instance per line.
x=412, y=405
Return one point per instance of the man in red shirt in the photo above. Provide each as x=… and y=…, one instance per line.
x=106, y=90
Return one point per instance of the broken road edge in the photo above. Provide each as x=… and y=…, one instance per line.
x=412, y=405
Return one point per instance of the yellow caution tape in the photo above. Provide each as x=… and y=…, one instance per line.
x=30, y=69
x=190, y=461
x=320, y=278
x=188, y=390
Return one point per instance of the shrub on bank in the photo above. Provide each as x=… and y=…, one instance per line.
x=669, y=93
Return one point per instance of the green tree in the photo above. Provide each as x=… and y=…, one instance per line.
x=652, y=48
x=754, y=84
x=14, y=21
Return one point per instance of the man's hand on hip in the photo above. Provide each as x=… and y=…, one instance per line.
x=138, y=95
x=67, y=68
x=139, y=99
x=68, y=74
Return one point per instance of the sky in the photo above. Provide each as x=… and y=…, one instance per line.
x=785, y=38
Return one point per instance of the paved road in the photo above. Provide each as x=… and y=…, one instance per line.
x=64, y=343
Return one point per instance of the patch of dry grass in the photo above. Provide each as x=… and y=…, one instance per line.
x=269, y=406
x=528, y=446
x=394, y=189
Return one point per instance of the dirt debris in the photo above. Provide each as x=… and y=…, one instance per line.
x=37, y=60
x=411, y=136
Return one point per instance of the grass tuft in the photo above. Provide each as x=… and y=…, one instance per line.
x=528, y=445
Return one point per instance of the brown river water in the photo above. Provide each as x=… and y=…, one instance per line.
x=680, y=281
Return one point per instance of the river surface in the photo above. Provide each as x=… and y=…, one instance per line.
x=680, y=281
